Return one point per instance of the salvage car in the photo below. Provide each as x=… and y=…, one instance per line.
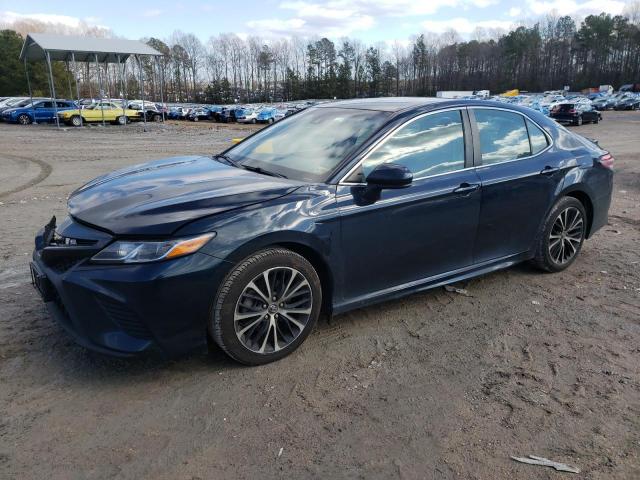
x=199, y=113
x=42, y=111
x=575, y=113
x=628, y=102
x=246, y=115
x=108, y=111
x=340, y=206
x=267, y=115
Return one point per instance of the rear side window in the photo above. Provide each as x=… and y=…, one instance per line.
x=503, y=136
x=429, y=145
x=538, y=139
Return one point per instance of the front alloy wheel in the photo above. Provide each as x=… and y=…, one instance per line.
x=24, y=119
x=266, y=306
x=273, y=310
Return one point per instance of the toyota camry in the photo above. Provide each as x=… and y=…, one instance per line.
x=336, y=207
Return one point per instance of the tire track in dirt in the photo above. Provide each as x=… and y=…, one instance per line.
x=45, y=171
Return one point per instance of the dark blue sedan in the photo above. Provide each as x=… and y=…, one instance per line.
x=39, y=112
x=337, y=207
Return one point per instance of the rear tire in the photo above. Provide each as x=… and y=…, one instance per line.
x=255, y=322
x=122, y=120
x=562, y=235
x=579, y=121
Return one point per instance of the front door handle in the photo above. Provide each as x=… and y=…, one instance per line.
x=549, y=170
x=467, y=187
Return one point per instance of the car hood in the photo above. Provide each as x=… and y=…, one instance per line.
x=157, y=198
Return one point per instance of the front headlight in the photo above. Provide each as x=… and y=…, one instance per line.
x=131, y=251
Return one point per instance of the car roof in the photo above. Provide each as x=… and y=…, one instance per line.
x=384, y=104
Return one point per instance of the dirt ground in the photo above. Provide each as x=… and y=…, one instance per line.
x=437, y=385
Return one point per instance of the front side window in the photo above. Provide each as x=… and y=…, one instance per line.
x=503, y=136
x=430, y=145
x=308, y=146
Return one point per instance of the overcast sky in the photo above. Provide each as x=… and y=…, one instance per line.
x=369, y=20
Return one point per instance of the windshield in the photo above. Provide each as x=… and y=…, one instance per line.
x=309, y=145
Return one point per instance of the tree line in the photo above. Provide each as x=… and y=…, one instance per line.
x=553, y=52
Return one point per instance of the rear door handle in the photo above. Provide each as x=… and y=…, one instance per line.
x=467, y=187
x=549, y=170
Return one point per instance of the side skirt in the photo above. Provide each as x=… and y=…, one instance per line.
x=430, y=282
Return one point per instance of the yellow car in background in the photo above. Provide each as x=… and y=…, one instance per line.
x=113, y=113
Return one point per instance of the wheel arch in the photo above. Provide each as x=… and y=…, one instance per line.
x=584, y=198
x=320, y=265
x=306, y=245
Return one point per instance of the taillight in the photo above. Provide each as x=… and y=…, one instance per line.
x=572, y=110
x=606, y=160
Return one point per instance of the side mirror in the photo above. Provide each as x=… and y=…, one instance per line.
x=390, y=175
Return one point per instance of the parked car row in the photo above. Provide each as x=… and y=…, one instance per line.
x=24, y=111
x=234, y=113
x=574, y=109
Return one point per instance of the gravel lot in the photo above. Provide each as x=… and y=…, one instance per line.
x=437, y=385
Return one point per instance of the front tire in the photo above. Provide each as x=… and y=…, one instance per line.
x=76, y=121
x=562, y=235
x=266, y=306
x=24, y=119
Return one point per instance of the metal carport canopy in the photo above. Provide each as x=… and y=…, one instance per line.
x=85, y=49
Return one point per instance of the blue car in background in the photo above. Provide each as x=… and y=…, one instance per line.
x=267, y=115
x=39, y=112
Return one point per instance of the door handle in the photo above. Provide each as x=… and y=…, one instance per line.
x=467, y=187
x=549, y=170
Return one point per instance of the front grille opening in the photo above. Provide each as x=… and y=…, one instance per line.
x=124, y=318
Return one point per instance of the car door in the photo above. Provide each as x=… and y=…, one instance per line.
x=43, y=111
x=520, y=174
x=392, y=237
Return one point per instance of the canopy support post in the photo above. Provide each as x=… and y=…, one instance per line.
x=161, y=80
x=123, y=97
x=53, y=90
x=26, y=71
x=75, y=76
x=69, y=78
x=144, y=113
x=100, y=91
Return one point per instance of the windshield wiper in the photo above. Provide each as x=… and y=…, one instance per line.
x=262, y=171
x=226, y=158
x=247, y=167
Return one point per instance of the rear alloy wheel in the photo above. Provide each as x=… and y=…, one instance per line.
x=563, y=235
x=24, y=119
x=266, y=307
x=195, y=118
x=579, y=121
x=122, y=120
x=76, y=121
